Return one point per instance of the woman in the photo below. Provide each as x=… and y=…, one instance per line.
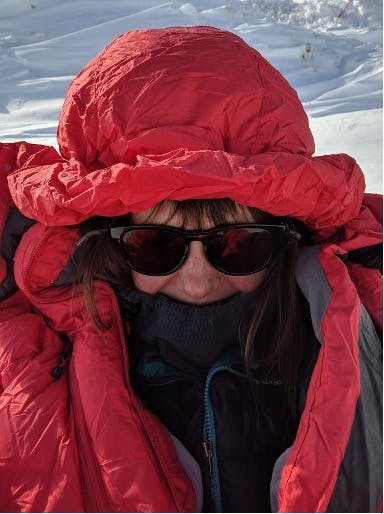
x=188, y=325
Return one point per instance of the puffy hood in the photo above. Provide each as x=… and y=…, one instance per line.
x=184, y=113
x=173, y=113
x=198, y=88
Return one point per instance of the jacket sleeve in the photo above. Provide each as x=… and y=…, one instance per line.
x=39, y=468
x=74, y=416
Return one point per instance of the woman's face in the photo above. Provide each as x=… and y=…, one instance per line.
x=196, y=282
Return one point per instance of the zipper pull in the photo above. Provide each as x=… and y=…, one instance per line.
x=208, y=455
x=63, y=361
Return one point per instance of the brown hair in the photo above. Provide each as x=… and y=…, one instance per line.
x=276, y=309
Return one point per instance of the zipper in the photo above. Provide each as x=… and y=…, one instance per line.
x=43, y=238
x=63, y=361
x=96, y=499
x=209, y=436
x=207, y=446
x=32, y=256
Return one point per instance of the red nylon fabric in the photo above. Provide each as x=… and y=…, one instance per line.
x=143, y=122
x=369, y=285
x=83, y=443
x=310, y=473
x=12, y=157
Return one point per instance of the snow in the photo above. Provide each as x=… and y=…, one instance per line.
x=329, y=50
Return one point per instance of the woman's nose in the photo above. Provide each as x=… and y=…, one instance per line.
x=198, y=277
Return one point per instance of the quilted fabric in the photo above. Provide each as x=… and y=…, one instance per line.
x=184, y=113
x=172, y=113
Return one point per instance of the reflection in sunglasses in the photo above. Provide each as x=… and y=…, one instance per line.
x=239, y=249
x=233, y=240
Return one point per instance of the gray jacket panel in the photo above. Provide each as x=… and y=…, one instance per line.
x=359, y=483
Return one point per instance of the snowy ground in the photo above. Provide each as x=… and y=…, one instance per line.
x=329, y=50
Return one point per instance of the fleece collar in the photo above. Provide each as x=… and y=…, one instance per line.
x=188, y=334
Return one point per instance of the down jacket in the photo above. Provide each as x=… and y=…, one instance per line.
x=141, y=122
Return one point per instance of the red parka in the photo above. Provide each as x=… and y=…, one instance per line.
x=172, y=113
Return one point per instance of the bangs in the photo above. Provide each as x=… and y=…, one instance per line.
x=197, y=211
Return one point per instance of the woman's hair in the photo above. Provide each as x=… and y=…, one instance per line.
x=276, y=315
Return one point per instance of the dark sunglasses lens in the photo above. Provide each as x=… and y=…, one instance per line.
x=240, y=251
x=152, y=251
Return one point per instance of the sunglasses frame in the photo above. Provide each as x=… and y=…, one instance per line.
x=117, y=232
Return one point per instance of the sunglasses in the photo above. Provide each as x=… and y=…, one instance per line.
x=237, y=249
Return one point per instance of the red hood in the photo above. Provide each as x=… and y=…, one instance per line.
x=184, y=113
x=141, y=123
